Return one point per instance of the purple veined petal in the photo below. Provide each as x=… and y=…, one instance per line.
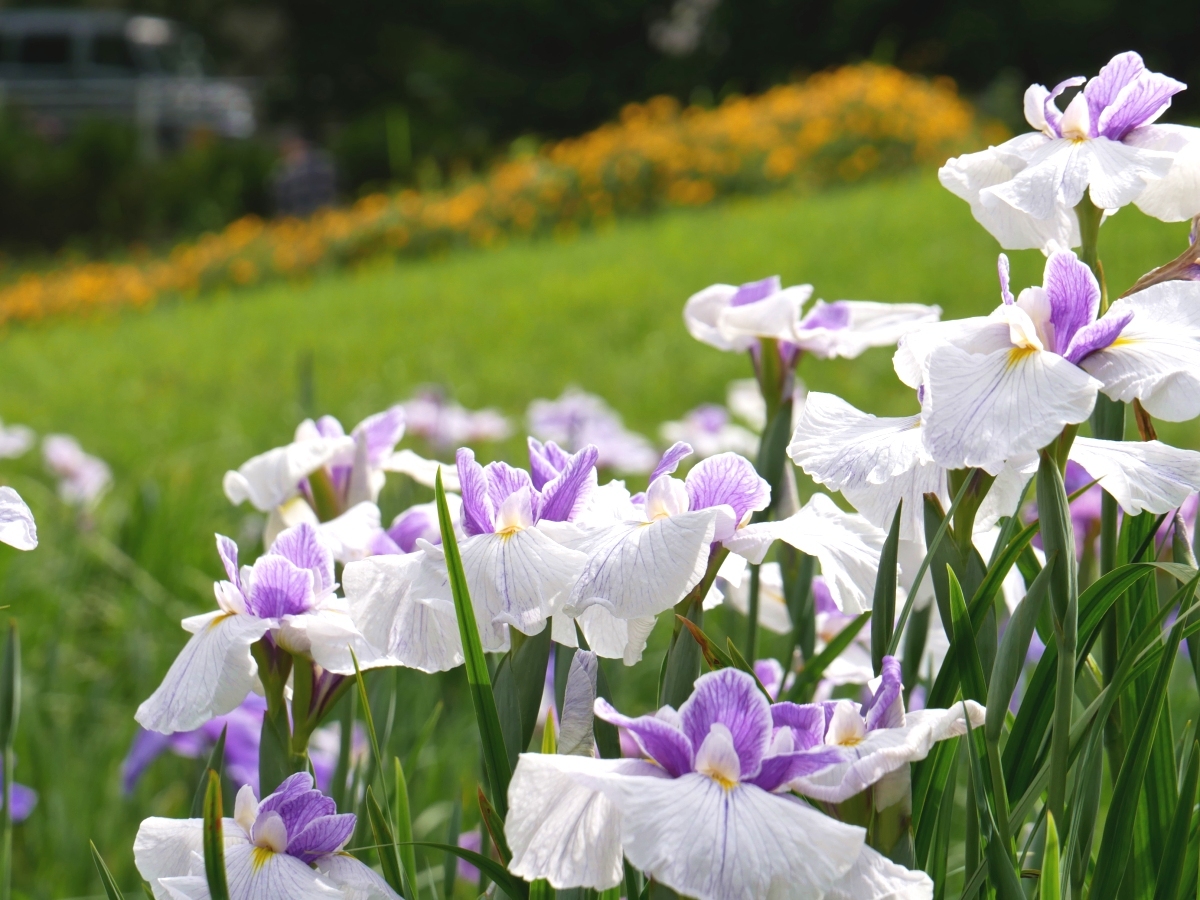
x=1003, y=270
x=805, y=720
x=659, y=740
x=290, y=788
x=227, y=549
x=278, y=587
x=1074, y=297
x=1050, y=108
x=504, y=480
x=545, y=461
x=730, y=697
x=727, y=479
x=1139, y=101
x=678, y=452
x=325, y=836
x=302, y=546
x=413, y=523
x=383, y=431
x=478, y=512
x=302, y=809
x=779, y=770
x=832, y=316
x=1102, y=89
x=753, y=291
x=885, y=709
x=1098, y=335
x=563, y=496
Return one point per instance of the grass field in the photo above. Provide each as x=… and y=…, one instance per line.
x=173, y=397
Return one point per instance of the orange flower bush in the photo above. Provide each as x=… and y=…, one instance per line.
x=837, y=126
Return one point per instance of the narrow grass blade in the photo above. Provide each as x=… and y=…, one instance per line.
x=510, y=884
x=423, y=736
x=931, y=780
x=714, y=657
x=1050, y=882
x=807, y=678
x=883, y=607
x=1010, y=659
x=970, y=670
x=939, y=853
x=403, y=830
x=10, y=710
x=1170, y=871
x=385, y=843
x=450, y=867
x=495, y=755
x=524, y=668
x=495, y=827
x=214, y=839
x=111, y=891
x=1001, y=871
x=216, y=763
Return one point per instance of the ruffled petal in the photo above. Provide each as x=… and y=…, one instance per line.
x=875, y=877
x=254, y=874
x=1055, y=177
x=1118, y=173
x=1176, y=196
x=356, y=880
x=702, y=313
x=327, y=635
x=1140, y=475
x=270, y=478
x=17, y=528
x=163, y=848
x=775, y=316
x=870, y=324
x=422, y=471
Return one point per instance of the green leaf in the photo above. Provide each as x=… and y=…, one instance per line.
x=772, y=450
x=404, y=832
x=216, y=762
x=541, y=890
x=807, y=677
x=681, y=667
x=495, y=827
x=10, y=687
x=214, y=839
x=385, y=843
x=510, y=884
x=1010, y=659
x=714, y=656
x=423, y=736
x=970, y=670
x=110, y=885
x=1003, y=875
x=939, y=853
x=884, y=604
x=739, y=662
x=449, y=868
x=931, y=779
x=518, y=687
x=797, y=569
x=495, y=754
x=1170, y=872
x=1050, y=882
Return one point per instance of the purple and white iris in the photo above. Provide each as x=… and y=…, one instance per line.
x=286, y=847
x=737, y=318
x=709, y=431
x=446, y=424
x=578, y=419
x=287, y=597
x=1104, y=144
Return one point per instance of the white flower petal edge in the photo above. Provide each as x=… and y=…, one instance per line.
x=349, y=535
x=871, y=324
x=327, y=635
x=421, y=470
x=356, y=880
x=1140, y=475
x=1176, y=196
x=559, y=826
x=255, y=875
x=874, y=462
x=885, y=750
x=403, y=606
x=875, y=877
x=846, y=545
x=212, y=674
x=164, y=847
x=1157, y=357
x=607, y=635
x=17, y=528
x=270, y=478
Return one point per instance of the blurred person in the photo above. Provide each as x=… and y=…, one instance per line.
x=305, y=179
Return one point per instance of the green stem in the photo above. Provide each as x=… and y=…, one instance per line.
x=752, y=614
x=770, y=376
x=325, y=498
x=1090, y=216
x=6, y=825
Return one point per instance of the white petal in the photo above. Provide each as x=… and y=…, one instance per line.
x=1141, y=475
x=518, y=580
x=875, y=462
x=270, y=478
x=257, y=875
x=846, y=545
x=1006, y=492
x=163, y=848
x=707, y=842
x=613, y=637
x=871, y=325
x=702, y=313
x=979, y=334
x=422, y=471
x=639, y=569
x=1119, y=173
x=875, y=877
x=212, y=674
x=772, y=317
x=327, y=635
x=403, y=606
x=349, y=535
x=773, y=613
x=559, y=826
x=1157, y=357
x=1056, y=176
x=576, y=736
x=356, y=880
x=983, y=409
x=1175, y=197
x=17, y=528
x=886, y=750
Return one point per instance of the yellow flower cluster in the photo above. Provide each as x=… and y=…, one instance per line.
x=836, y=126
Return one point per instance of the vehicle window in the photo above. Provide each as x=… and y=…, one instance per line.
x=112, y=50
x=45, y=50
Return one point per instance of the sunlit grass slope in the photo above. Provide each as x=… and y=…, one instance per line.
x=173, y=397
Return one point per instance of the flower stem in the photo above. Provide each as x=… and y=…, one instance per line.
x=1090, y=216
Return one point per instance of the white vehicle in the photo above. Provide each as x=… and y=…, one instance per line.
x=62, y=66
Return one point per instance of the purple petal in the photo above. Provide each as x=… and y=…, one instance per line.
x=290, y=788
x=730, y=697
x=1102, y=90
x=830, y=316
x=659, y=740
x=412, y=524
x=753, y=291
x=1074, y=297
x=477, y=510
x=545, y=461
x=278, y=587
x=1051, y=110
x=300, y=810
x=303, y=546
x=147, y=746
x=806, y=721
x=329, y=427
x=886, y=708
x=670, y=461
x=564, y=495
x=382, y=544
x=227, y=549
x=822, y=598
x=323, y=837
x=708, y=417
x=727, y=479
x=24, y=799
x=504, y=481
x=1125, y=95
x=1097, y=335
x=779, y=770
x=383, y=431
x=770, y=673
x=1002, y=268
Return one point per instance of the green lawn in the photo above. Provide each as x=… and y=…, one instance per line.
x=173, y=397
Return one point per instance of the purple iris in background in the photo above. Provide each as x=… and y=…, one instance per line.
x=578, y=419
